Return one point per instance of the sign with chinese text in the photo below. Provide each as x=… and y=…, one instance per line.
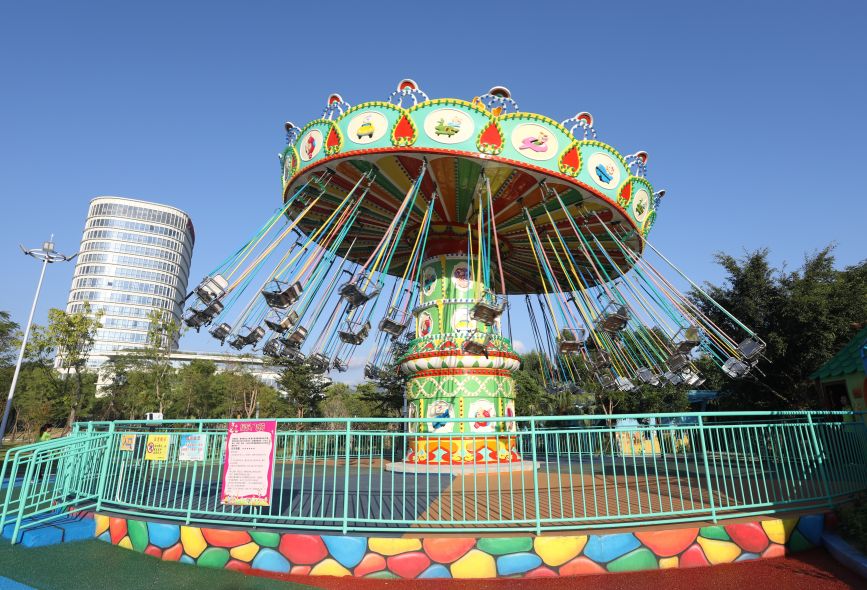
x=127, y=442
x=192, y=447
x=157, y=447
x=249, y=463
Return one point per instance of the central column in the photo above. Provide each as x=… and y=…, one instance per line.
x=447, y=382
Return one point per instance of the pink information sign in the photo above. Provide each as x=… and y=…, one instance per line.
x=248, y=464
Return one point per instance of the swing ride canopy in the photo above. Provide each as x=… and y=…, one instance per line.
x=529, y=160
x=427, y=215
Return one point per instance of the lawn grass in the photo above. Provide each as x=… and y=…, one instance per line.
x=89, y=565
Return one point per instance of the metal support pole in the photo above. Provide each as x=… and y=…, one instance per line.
x=46, y=254
x=21, y=353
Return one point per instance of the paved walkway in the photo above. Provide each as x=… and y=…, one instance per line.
x=809, y=570
x=94, y=564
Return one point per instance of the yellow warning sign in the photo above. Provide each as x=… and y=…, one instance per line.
x=157, y=447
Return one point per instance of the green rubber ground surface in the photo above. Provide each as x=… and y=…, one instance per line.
x=93, y=565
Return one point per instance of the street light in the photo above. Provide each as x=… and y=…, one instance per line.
x=47, y=255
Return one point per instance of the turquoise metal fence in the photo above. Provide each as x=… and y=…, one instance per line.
x=41, y=481
x=580, y=472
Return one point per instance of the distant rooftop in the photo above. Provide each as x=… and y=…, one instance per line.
x=851, y=359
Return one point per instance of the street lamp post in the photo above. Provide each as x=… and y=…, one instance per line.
x=46, y=254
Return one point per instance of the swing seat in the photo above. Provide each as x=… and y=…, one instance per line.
x=735, y=368
x=488, y=308
x=253, y=336
x=600, y=359
x=751, y=348
x=571, y=341
x=395, y=322
x=212, y=288
x=689, y=340
x=283, y=295
x=371, y=372
x=357, y=295
x=686, y=377
x=473, y=345
x=281, y=324
x=273, y=348
x=297, y=337
x=691, y=378
x=353, y=333
x=340, y=365
x=606, y=381
x=318, y=363
x=292, y=353
x=196, y=318
x=673, y=377
x=677, y=361
x=624, y=384
x=647, y=376
x=613, y=318
x=221, y=332
x=556, y=388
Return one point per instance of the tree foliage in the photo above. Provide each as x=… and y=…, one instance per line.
x=66, y=342
x=805, y=316
x=586, y=395
x=303, y=390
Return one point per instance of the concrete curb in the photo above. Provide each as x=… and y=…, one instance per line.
x=845, y=554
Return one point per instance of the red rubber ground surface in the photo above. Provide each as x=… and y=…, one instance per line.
x=809, y=570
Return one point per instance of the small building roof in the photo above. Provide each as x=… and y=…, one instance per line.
x=696, y=396
x=851, y=359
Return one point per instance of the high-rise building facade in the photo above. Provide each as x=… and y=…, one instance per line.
x=134, y=258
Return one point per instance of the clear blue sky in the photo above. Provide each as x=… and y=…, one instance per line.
x=753, y=112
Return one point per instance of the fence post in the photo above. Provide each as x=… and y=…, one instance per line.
x=25, y=489
x=820, y=457
x=193, y=478
x=104, y=466
x=346, y=476
x=706, y=467
x=535, y=476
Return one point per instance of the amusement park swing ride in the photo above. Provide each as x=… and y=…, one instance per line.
x=417, y=223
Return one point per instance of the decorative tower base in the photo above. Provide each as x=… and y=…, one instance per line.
x=447, y=381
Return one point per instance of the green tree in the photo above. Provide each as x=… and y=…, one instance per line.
x=193, y=394
x=34, y=403
x=387, y=391
x=66, y=342
x=242, y=393
x=301, y=388
x=153, y=363
x=531, y=397
x=9, y=342
x=9, y=339
x=805, y=316
x=341, y=401
x=116, y=395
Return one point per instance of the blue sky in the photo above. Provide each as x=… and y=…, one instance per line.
x=752, y=112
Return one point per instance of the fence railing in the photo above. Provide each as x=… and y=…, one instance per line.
x=572, y=472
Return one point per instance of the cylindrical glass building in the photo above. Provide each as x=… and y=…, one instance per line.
x=134, y=258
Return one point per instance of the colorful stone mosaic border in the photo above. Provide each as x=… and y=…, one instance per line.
x=462, y=557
